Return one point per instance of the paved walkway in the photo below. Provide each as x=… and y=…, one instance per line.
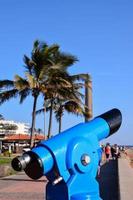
x=125, y=180
x=20, y=187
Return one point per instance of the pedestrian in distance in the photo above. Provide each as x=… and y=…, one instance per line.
x=107, y=152
x=113, y=152
x=117, y=153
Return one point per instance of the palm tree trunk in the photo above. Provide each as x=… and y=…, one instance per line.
x=44, y=121
x=50, y=120
x=60, y=123
x=88, y=99
x=33, y=122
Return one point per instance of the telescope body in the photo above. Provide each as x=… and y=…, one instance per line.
x=70, y=159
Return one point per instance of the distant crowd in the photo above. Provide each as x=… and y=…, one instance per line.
x=112, y=151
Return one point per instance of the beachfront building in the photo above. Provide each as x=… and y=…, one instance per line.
x=12, y=127
x=16, y=135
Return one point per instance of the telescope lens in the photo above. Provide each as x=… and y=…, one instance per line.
x=30, y=163
x=16, y=164
x=20, y=162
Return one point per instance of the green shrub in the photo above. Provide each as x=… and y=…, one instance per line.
x=5, y=160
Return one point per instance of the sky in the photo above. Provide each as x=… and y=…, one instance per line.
x=98, y=32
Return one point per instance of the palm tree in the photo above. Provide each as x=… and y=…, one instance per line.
x=70, y=106
x=53, y=76
x=61, y=87
x=63, y=94
x=73, y=104
x=36, y=76
x=57, y=80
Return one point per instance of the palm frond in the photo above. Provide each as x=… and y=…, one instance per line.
x=43, y=74
x=73, y=107
x=7, y=95
x=36, y=44
x=6, y=84
x=20, y=83
x=29, y=64
x=51, y=50
x=40, y=111
x=23, y=95
x=58, y=115
x=78, y=95
x=31, y=80
x=42, y=46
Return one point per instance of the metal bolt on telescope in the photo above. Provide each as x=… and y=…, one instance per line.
x=70, y=159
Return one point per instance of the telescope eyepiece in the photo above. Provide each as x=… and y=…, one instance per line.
x=30, y=163
x=19, y=163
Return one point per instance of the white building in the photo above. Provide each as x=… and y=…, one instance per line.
x=20, y=128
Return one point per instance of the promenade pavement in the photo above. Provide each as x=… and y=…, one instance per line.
x=20, y=187
x=125, y=179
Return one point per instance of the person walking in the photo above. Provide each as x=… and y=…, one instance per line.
x=100, y=152
x=113, y=152
x=116, y=154
x=107, y=152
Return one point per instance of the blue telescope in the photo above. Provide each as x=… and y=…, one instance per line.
x=70, y=159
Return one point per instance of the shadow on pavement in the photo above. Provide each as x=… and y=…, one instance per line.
x=18, y=179
x=109, y=181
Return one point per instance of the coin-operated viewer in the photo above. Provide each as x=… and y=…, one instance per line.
x=70, y=159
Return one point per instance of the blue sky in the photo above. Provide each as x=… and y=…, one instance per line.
x=99, y=33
